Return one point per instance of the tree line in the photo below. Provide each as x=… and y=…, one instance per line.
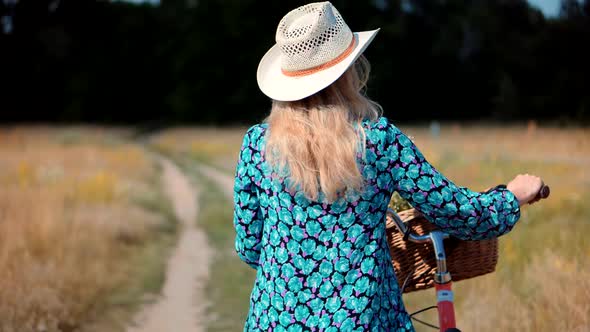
x=195, y=61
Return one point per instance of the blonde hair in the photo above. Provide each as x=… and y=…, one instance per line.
x=317, y=138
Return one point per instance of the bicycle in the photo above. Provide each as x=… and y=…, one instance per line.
x=442, y=277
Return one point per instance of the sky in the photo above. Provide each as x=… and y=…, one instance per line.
x=548, y=7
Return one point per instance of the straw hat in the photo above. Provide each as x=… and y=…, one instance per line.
x=314, y=47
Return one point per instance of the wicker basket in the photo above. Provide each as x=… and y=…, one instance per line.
x=416, y=262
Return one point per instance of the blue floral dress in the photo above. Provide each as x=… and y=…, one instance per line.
x=327, y=267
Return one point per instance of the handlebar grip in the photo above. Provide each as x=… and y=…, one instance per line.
x=544, y=192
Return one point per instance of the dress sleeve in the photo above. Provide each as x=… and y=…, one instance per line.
x=247, y=216
x=461, y=212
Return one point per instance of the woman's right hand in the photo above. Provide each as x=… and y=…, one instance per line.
x=525, y=187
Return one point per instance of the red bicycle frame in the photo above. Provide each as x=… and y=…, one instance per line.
x=446, y=307
x=443, y=284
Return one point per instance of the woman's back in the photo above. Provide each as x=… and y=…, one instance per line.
x=326, y=266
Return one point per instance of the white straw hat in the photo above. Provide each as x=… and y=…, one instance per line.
x=314, y=47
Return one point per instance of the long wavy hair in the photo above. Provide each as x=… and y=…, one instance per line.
x=316, y=140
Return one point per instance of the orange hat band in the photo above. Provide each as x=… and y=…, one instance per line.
x=326, y=65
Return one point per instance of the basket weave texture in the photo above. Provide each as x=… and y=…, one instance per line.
x=417, y=262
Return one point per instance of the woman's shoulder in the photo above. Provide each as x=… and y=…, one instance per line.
x=382, y=134
x=381, y=126
x=256, y=131
x=255, y=135
x=257, y=128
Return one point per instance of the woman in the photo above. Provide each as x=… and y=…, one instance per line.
x=314, y=180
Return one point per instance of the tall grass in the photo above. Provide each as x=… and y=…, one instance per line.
x=71, y=221
x=551, y=294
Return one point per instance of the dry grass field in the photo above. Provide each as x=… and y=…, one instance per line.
x=542, y=281
x=83, y=228
x=213, y=145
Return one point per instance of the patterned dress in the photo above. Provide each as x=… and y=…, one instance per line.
x=327, y=267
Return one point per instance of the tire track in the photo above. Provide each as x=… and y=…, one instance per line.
x=182, y=303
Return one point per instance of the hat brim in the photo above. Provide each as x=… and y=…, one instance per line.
x=278, y=86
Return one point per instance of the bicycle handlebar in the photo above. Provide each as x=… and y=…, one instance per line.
x=403, y=228
x=542, y=194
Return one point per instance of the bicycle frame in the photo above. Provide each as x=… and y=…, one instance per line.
x=442, y=277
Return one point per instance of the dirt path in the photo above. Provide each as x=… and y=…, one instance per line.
x=224, y=181
x=181, y=306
